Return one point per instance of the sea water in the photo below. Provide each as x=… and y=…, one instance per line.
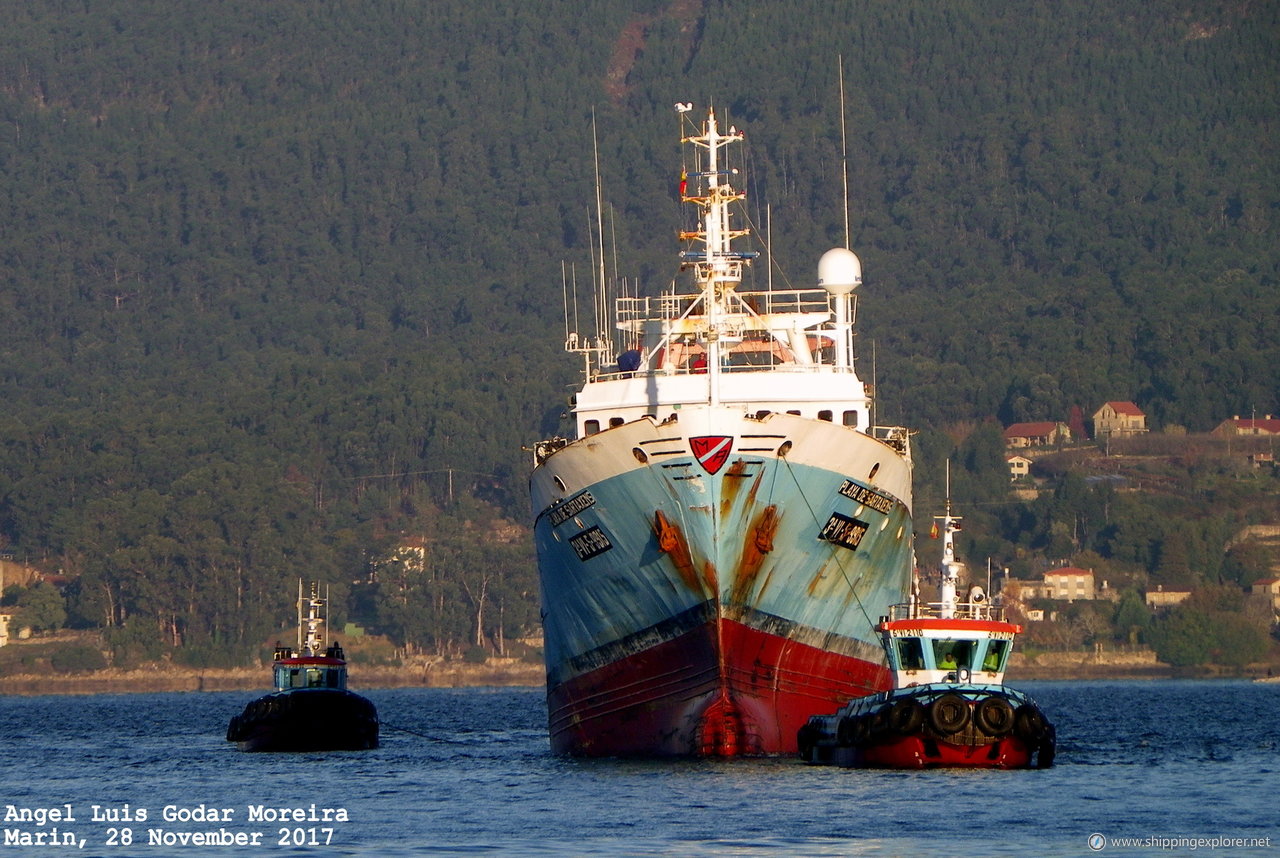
x=1149, y=767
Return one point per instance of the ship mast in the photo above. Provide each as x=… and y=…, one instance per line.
x=717, y=269
x=313, y=642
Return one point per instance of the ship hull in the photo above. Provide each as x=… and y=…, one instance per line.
x=698, y=604
x=718, y=690
x=320, y=719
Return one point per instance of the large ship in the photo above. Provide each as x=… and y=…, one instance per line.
x=719, y=539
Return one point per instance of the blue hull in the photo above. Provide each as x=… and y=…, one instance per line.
x=800, y=550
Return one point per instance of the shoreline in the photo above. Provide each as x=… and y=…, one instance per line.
x=169, y=679
x=509, y=675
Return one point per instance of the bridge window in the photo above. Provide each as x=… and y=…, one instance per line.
x=615, y=421
x=910, y=654
x=952, y=654
x=994, y=660
x=591, y=427
x=824, y=414
x=851, y=419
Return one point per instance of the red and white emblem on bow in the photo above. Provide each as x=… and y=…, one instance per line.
x=711, y=451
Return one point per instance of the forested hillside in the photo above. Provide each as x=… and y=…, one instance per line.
x=282, y=282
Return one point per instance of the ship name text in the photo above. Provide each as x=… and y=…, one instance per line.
x=567, y=510
x=867, y=497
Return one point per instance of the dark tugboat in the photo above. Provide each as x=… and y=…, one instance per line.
x=311, y=708
x=948, y=706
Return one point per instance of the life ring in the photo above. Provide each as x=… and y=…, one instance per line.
x=906, y=716
x=949, y=714
x=1028, y=723
x=994, y=716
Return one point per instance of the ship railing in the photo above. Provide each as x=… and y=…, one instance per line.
x=937, y=611
x=897, y=437
x=777, y=366
x=672, y=306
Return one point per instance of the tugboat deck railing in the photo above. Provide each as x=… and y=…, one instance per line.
x=935, y=611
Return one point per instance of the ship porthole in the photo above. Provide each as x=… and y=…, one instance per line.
x=899, y=532
x=784, y=449
x=883, y=524
x=875, y=469
x=641, y=456
x=559, y=483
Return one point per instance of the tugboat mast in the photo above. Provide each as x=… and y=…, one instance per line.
x=312, y=642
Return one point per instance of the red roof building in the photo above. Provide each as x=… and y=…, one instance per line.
x=1043, y=434
x=1118, y=419
x=1253, y=426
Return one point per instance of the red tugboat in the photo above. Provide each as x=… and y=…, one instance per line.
x=311, y=708
x=948, y=706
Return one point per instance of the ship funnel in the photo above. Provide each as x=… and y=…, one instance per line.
x=839, y=271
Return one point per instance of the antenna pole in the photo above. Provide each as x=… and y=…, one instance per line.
x=602, y=308
x=844, y=154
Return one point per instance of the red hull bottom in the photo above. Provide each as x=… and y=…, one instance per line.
x=721, y=690
x=922, y=752
x=937, y=725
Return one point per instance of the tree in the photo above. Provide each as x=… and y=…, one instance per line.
x=1212, y=626
x=41, y=608
x=1132, y=618
x=1184, y=637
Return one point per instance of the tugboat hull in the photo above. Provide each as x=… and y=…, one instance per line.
x=321, y=719
x=948, y=725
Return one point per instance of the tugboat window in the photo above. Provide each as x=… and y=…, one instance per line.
x=910, y=654
x=994, y=660
x=950, y=654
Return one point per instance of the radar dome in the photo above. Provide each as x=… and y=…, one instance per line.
x=839, y=271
